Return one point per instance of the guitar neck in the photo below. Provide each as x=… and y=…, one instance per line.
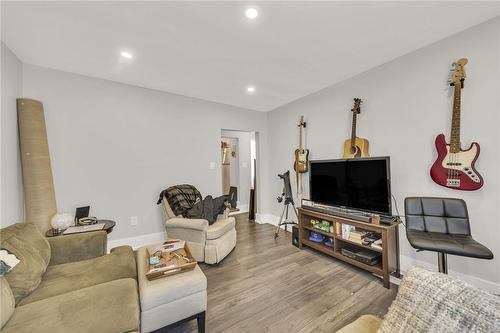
x=300, y=137
x=455, y=121
x=353, y=130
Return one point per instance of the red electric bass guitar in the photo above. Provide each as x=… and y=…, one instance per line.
x=455, y=167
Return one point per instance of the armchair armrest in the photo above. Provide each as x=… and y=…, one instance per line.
x=183, y=223
x=77, y=247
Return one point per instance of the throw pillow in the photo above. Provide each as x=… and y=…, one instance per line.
x=202, y=210
x=33, y=250
x=207, y=209
x=219, y=206
x=434, y=302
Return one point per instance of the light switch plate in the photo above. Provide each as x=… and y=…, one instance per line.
x=134, y=220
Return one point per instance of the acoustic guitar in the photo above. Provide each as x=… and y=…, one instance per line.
x=355, y=146
x=455, y=168
x=301, y=164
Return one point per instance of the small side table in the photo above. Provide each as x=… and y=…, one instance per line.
x=108, y=227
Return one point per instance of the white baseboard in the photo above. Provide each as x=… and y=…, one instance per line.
x=269, y=219
x=243, y=208
x=266, y=218
x=490, y=286
x=138, y=241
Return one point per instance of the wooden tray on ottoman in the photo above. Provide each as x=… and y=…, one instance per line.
x=179, y=264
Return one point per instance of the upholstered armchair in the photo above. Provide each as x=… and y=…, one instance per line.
x=207, y=243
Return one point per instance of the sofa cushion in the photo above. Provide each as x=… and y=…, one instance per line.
x=63, y=278
x=435, y=302
x=220, y=227
x=32, y=249
x=108, y=307
x=7, y=302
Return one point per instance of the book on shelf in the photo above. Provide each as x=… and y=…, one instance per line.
x=377, y=244
x=357, y=236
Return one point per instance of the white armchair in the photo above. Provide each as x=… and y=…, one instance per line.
x=208, y=243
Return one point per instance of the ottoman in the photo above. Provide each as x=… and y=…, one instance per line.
x=172, y=299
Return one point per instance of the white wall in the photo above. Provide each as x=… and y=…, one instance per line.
x=244, y=164
x=11, y=183
x=406, y=104
x=115, y=146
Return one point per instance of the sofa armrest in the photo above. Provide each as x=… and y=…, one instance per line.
x=183, y=223
x=77, y=247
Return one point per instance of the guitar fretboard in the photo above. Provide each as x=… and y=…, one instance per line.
x=455, y=121
x=353, y=130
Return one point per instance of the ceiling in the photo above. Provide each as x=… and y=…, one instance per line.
x=210, y=50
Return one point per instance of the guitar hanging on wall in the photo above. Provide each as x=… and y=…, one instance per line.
x=355, y=146
x=301, y=163
x=455, y=167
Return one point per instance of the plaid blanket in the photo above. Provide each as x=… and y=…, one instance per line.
x=180, y=198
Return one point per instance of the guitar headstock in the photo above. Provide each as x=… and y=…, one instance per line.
x=356, y=108
x=457, y=75
x=302, y=123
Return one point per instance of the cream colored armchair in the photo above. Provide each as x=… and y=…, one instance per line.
x=208, y=243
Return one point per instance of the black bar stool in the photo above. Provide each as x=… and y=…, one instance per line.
x=442, y=225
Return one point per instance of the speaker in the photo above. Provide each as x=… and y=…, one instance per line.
x=295, y=236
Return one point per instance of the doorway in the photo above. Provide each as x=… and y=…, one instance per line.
x=238, y=156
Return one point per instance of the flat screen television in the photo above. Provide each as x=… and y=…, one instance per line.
x=358, y=183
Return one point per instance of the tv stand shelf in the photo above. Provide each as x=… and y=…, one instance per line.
x=390, y=246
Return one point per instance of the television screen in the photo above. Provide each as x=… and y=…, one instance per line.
x=358, y=183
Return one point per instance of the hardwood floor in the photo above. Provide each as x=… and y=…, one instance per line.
x=268, y=285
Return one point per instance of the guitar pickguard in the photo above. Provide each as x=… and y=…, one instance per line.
x=459, y=164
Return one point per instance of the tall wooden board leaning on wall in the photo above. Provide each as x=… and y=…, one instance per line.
x=355, y=146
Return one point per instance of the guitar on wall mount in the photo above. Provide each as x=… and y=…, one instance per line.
x=355, y=146
x=455, y=167
x=301, y=163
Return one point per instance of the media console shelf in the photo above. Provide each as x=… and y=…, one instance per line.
x=390, y=246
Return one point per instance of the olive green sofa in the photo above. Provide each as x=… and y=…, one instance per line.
x=67, y=284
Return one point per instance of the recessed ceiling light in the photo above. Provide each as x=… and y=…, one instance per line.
x=251, y=13
x=126, y=55
x=250, y=89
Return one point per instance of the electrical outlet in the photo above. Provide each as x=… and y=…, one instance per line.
x=134, y=220
x=212, y=166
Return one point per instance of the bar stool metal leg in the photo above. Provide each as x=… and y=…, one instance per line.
x=442, y=263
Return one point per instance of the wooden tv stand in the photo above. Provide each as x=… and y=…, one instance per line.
x=390, y=243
